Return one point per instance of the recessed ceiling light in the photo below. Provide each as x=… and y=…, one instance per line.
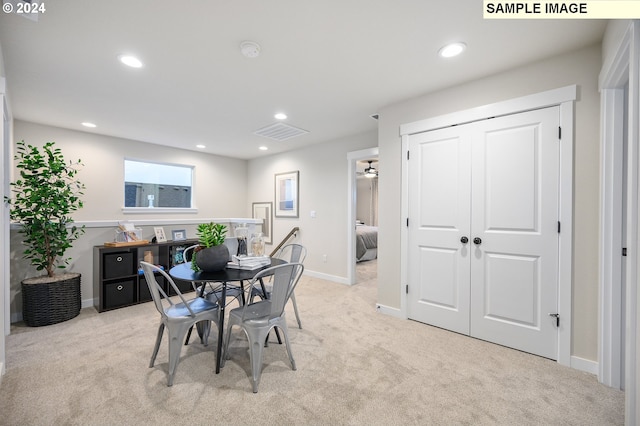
x=451, y=50
x=130, y=61
x=281, y=116
x=200, y=146
x=87, y=124
x=263, y=148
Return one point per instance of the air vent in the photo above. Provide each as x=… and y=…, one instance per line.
x=280, y=131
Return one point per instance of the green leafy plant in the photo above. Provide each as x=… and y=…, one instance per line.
x=44, y=196
x=211, y=234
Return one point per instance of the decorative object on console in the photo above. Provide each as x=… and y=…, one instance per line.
x=257, y=244
x=44, y=196
x=160, y=235
x=179, y=234
x=242, y=232
x=211, y=255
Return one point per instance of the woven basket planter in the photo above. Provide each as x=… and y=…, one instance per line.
x=47, y=301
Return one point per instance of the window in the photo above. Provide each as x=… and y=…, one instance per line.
x=153, y=185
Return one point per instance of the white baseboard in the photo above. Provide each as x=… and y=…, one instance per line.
x=585, y=365
x=327, y=277
x=387, y=310
x=1, y=372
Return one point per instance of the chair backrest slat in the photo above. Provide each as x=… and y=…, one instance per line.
x=156, y=289
x=285, y=278
x=292, y=253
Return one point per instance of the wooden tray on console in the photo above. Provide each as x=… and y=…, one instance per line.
x=126, y=243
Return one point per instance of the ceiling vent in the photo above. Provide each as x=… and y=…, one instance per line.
x=280, y=131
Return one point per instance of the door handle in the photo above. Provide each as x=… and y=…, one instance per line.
x=477, y=241
x=464, y=240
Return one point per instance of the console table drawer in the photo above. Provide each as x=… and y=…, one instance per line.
x=118, y=265
x=119, y=293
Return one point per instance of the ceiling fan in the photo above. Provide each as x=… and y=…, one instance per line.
x=370, y=171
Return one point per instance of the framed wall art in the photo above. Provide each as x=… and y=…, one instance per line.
x=264, y=211
x=287, y=192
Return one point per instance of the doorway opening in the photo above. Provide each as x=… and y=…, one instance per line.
x=358, y=161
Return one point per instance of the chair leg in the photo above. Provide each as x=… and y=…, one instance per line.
x=295, y=309
x=225, y=352
x=157, y=346
x=176, y=337
x=286, y=340
x=256, y=348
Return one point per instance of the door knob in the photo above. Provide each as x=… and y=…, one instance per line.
x=464, y=240
x=477, y=241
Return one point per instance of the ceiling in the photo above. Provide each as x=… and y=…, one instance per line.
x=328, y=65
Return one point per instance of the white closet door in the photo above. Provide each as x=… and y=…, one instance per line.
x=494, y=182
x=439, y=211
x=514, y=270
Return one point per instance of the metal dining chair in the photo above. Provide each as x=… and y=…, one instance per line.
x=257, y=319
x=177, y=318
x=292, y=253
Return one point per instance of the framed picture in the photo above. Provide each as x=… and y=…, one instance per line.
x=287, y=192
x=179, y=234
x=264, y=211
x=160, y=235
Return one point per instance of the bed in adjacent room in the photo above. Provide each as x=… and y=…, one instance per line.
x=366, y=242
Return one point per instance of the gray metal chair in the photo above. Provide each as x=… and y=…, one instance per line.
x=257, y=319
x=292, y=253
x=177, y=318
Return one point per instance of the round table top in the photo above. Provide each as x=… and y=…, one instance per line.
x=183, y=272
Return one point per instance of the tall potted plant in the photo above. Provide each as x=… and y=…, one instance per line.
x=44, y=196
x=211, y=254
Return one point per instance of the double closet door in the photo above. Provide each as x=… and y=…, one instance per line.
x=483, y=229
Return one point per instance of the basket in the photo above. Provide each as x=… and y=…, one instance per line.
x=46, y=302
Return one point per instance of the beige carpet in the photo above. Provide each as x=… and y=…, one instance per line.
x=355, y=367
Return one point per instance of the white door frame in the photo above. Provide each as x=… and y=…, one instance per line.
x=564, y=98
x=352, y=190
x=5, y=160
x=625, y=67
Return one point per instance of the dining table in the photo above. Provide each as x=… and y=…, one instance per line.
x=183, y=272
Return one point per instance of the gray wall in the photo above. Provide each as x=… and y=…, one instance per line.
x=219, y=192
x=323, y=189
x=580, y=67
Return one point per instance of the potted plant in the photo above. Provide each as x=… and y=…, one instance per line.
x=45, y=194
x=211, y=254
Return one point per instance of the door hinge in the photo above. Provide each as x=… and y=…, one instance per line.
x=407, y=289
x=557, y=316
x=558, y=227
x=407, y=222
x=559, y=132
x=408, y=155
x=624, y=251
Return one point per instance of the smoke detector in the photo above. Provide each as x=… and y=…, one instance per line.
x=250, y=49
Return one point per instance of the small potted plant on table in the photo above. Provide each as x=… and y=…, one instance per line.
x=211, y=255
x=44, y=196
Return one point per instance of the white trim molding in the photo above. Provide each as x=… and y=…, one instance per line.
x=326, y=277
x=619, y=83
